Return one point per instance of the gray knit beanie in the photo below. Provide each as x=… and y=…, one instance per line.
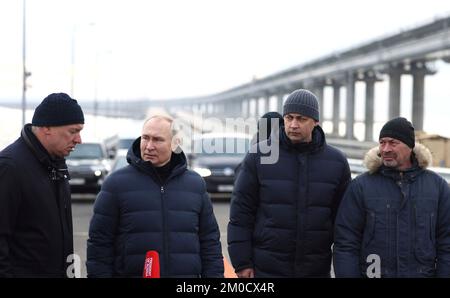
x=303, y=102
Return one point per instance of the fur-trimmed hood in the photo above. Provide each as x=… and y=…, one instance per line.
x=372, y=160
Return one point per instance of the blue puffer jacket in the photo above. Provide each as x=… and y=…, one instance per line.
x=282, y=214
x=399, y=223
x=134, y=214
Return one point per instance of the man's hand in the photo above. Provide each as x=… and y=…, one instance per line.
x=246, y=273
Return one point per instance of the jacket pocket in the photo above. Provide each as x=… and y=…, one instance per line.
x=369, y=230
x=433, y=228
x=425, y=234
x=258, y=233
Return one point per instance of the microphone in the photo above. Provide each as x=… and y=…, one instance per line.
x=151, y=265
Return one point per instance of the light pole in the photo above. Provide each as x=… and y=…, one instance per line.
x=25, y=73
x=72, y=73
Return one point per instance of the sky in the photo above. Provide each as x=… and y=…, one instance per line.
x=175, y=48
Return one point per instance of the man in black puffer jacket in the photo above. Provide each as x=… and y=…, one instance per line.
x=155, y=203
x=36, y=237
x=282, y=214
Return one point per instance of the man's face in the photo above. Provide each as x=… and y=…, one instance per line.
x=299, y=128
x=156, y=141
x=61, y=140
x=395, y=154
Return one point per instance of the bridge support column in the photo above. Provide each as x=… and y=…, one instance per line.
x=219, y=108
x=318, y=90
x=395, y=74
x=350, y=107
x=239, y=112
x=336, y=105
x=418, y=71
x=267, y=103
x=229, y=106
x=280, y=98
x=248, y=113
x=369, y=118
x=210, y=109
x=235, y=109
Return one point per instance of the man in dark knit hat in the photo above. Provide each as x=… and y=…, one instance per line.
x=282, y=213
x=394, y=220
x=36, y=237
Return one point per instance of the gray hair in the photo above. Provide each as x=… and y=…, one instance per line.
x=166, y=118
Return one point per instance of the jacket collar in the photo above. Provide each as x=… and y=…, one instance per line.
x=422, y=159
x=56, y=167
x=316, y=144
x=178, y=160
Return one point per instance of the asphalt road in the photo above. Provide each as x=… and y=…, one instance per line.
x=82, y=209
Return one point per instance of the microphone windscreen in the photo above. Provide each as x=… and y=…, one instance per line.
x=151, y=265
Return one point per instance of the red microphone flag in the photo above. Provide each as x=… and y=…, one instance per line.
x=151, y=265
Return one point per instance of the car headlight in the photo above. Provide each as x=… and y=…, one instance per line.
x=98, y=170
x=204, y=172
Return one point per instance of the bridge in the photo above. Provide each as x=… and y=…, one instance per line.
x=411, y=52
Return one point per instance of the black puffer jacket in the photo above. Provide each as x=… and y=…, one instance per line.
x=135, y=212
x=35, y=211
x=282, y=214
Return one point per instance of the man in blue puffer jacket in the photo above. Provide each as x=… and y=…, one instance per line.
x=394, y=220
x=155, y=203
x=282, y=213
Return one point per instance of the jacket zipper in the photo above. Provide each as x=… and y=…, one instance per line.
x=388, y=241
x=165, y=242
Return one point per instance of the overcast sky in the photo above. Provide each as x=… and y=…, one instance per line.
x=176, y=48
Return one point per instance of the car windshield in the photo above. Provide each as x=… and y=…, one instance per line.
x=226, y=146
x=87, y=151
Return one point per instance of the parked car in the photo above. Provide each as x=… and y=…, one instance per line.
x=125, y=143
x=115, y=143
x=120, y=160
x=88, y=166
x=215, y=157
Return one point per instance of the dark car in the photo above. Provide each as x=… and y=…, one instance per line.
x=215, y=157
x=88, y=166
x=119, y=161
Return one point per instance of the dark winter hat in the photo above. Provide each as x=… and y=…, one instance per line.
x=303, y=102
x=58, y=109
x=400, y=129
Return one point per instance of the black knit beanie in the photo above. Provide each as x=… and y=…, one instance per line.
x=400, y=129
x=303, y=102
x=58, y=109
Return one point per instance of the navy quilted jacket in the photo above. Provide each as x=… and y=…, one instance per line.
x=398, y=222
x=135, y=213
x=282, y=214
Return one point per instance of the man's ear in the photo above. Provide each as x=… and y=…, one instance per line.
x=47, y=130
